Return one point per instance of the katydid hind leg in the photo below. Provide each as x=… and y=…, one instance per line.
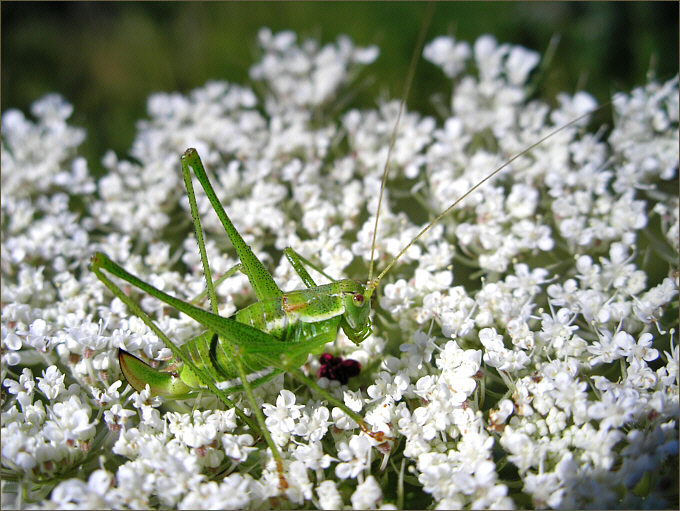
x=224, y=327
x=262, y=282
x=198, y=230
x=102, y=262
x=139, y=371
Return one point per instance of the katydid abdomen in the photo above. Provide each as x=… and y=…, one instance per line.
x=304, y=320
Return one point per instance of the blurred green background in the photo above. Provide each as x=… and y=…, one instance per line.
x=107, y=57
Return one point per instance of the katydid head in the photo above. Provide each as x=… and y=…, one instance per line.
x=355, y=321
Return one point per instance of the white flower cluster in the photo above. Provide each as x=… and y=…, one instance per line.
x=555, y=379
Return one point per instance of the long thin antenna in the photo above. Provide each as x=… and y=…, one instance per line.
x=373, y=284
x=409, y=80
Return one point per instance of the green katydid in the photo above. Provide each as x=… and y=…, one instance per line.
x=274, y=334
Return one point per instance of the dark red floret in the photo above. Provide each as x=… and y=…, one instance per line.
x=337, y=368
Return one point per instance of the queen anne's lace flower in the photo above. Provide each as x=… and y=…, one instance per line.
x=524, y=347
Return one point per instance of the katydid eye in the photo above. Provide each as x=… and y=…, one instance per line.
x=358, y=299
